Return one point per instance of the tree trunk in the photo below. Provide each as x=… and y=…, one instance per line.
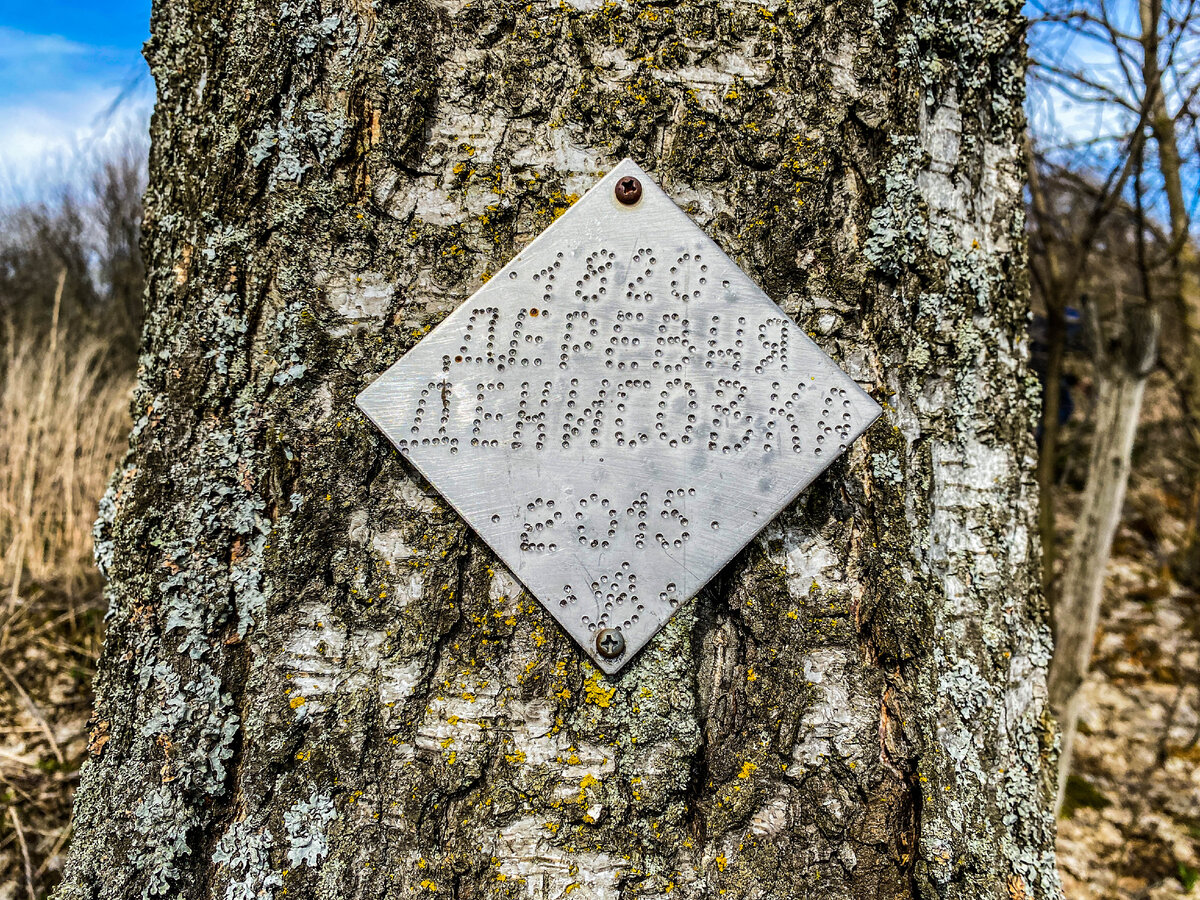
x=1056, y=351
x=1183, y=267
x=1187, y=559
x=315, y=679
x=1077, y=608
x=1055, y=293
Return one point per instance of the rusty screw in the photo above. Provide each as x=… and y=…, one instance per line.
x=628, y=190
x=610, y=643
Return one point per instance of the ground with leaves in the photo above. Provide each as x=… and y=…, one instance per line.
x=1131, y=825
x=49, y=642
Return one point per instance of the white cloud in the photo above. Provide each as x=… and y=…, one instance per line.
x=17, y=46
x=61, y=102
x=45, y=144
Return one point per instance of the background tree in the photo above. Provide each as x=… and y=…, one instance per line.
x=316, y=679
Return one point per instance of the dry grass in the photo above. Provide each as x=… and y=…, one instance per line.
x=63, y=421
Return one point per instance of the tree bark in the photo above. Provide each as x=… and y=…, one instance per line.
x=316, y=680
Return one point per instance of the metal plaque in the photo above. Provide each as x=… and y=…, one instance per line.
x=617, y=412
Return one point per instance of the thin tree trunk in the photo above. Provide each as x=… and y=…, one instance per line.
x=1056, y=344
x=1054, y=293
x=315, y=679
x=1184, y=269
x=1077, y=610
x=1188, y=560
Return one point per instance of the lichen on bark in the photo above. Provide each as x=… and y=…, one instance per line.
x=319, y=682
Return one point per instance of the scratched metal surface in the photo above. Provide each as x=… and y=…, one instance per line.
x=617, y=412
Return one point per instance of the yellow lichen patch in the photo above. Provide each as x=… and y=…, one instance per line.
x=296, y=702
x=429, y=885
x=751, y=675
x=747, y=769
x=596, y=693
x=587, y=781
x=722, y=862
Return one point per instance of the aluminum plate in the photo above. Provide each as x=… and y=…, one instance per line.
x=617, y=412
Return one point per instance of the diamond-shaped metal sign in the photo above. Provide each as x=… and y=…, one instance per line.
x=617, y=412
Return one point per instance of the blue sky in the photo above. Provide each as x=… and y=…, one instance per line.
x=63, y=63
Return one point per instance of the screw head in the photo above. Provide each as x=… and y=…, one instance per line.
x=610, y=643
x=628, y=190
